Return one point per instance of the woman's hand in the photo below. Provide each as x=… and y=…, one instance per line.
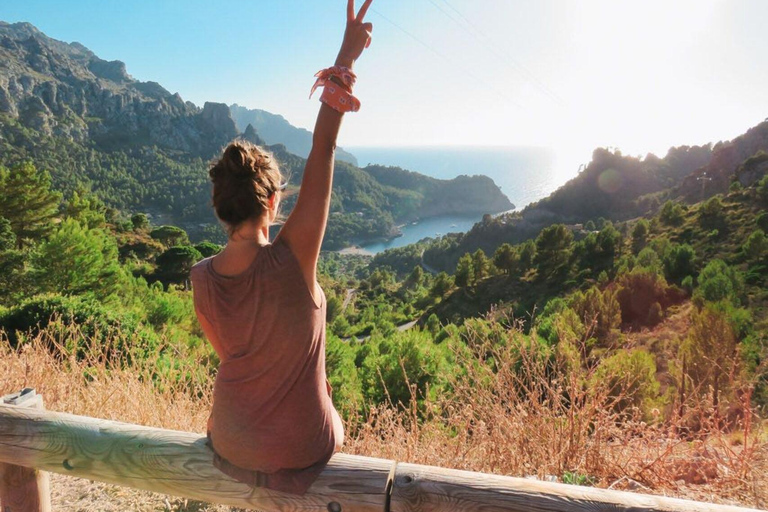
x=357, y=36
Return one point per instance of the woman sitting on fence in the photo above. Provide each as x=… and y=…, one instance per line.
x=273, y=423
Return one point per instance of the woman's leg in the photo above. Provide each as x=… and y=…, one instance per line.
x=338, y=430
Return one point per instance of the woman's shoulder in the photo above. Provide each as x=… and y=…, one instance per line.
x=199, y=269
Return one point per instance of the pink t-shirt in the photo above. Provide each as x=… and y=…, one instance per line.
x=272, y=411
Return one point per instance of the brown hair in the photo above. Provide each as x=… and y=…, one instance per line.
x=244, y=179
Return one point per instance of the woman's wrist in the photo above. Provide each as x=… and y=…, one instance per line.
x=344, y=61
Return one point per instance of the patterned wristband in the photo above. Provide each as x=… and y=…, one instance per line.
x=339, y=99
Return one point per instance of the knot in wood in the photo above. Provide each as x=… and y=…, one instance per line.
x=404, y=480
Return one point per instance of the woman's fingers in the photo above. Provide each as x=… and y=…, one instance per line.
x=350, y=10
x=363, y=10
x=368, y=27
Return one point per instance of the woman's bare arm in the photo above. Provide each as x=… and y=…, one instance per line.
x=305, y=227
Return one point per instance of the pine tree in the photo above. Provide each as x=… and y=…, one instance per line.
x=27, y=201
x=76, y=260
x=464, y=271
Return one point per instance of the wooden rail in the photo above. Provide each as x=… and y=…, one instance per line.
x=180, y=464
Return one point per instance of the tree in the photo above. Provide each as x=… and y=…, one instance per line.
x=11, y=265
x=672, y=213
x=762, y=189
x=481, y=266
x=506, y=258
x=762, y=221
x=756, y=246
x=600, y=312
x=7, y=236
x=678, y=262
x=640, y=235
x=27, y=201
x=170, y=236
x=718, y=281
x=208, y=249
x=527, y=253
x=77, y=260
x=87, y=209
x=712, y=214
x=441, y=285
x=464, y=274
x=415, y=278
x=174, y=265
x=140, y=221
x=648, y=259
x=553, y=250
x=710, y=354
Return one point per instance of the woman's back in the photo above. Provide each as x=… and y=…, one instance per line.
x=271, y=406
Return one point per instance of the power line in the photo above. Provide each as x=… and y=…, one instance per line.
x=450, y=61
x=486, y=41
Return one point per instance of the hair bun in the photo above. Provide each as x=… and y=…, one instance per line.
x=243, y=179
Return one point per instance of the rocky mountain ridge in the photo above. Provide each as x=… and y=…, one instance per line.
x=275, y=129
x=64, y=89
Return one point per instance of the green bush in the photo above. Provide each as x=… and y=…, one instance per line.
x=672, y=213
x=98, y=325
x=679, y=262
x=631, y=379
x=719, y=281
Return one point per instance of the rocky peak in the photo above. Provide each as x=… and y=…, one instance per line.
x=109, y=70
x=251, y=136
x=218, y=118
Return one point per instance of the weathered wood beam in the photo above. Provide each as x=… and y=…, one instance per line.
x=180, y=464
x=174, y=463
x=434, y=489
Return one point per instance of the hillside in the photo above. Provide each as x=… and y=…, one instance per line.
x=275, y=129
x=618, y=187
x=140, y=148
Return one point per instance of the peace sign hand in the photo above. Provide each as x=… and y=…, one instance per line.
x=357, y=36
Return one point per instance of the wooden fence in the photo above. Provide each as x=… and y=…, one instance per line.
x=181, y=464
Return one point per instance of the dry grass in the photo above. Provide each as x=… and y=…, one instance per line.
x=530, y=415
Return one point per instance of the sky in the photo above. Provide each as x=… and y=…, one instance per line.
x=569, y=75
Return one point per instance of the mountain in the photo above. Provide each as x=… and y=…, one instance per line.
x=140, y=148
x=61, y=89
x=275, y=129
x=618, y=187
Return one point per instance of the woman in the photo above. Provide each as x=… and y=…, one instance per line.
x=273, y=423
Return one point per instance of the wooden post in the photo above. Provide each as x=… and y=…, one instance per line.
x=433, y=489
x=24, y=489
x=175, y=463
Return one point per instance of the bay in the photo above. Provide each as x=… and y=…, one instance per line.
x=524, y=174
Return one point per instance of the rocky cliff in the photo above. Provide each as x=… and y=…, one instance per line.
x=275, y=129
x=64, y=89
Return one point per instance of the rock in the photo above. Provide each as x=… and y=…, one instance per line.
x=251, y=136
x=112, y=70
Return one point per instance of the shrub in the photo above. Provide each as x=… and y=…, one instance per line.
x=719, y=281
x=762, y=221
x=756, y=246
x=678, y=262
x=208, y=249
x=712, y=213
x=639, y=292
x=97, y=324
x=640, y=235
x=672, y=213
x=630, y=377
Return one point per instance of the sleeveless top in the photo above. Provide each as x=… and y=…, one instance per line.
x=271, y=423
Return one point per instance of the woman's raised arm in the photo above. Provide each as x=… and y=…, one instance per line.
x=305, y=226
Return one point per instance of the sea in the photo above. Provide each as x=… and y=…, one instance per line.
x=524, y=174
